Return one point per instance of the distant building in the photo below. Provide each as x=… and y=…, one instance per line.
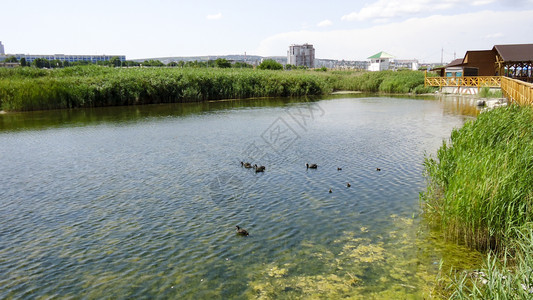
x=301, y=55
x=70, y=58
x=380, y=61
x=409, y=64
x=2, y=50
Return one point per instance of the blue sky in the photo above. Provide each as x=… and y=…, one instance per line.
x=351, y=30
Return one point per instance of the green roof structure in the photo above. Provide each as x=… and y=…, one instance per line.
x=381, y=54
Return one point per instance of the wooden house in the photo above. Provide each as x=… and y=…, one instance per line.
x=480, y=63
x=508, y=60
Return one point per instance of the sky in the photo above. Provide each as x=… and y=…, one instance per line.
x=427, y=30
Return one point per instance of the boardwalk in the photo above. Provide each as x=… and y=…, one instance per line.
x=516, y=91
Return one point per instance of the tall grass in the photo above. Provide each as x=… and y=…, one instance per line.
x=486, y=92
x=480, y=191
x=510, y=277
x=481, y=182
x=399, y=82
x=88, y=86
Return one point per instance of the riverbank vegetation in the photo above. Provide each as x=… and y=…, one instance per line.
x=26, y=88
x=480, y=192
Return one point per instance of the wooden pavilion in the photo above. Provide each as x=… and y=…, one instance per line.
x=514, y=61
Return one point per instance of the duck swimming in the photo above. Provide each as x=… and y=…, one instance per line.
x=259, y=168
x=311, y=166
x=246, y=165
x=241, y=231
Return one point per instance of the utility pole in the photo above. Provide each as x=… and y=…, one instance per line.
x=442, y=55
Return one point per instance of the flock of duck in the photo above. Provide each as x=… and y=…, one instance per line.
x=242, y=231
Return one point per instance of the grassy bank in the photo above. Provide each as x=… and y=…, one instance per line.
x=400, y=82
x=90, y=86
x=480, y=192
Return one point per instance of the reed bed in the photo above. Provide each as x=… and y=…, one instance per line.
x=480, y=191
x=506, y=276
x=90, y=86
x=481, y=182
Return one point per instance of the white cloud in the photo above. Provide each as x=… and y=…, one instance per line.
x=214, y=17
x=494, y=35
x=325, y=23
x=420, y=38
x=386, y=9
x=481, y=2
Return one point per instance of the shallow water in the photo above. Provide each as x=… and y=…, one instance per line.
x=142, y=202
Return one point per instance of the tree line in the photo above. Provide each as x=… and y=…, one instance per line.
x=116, y=62
x=222, y=63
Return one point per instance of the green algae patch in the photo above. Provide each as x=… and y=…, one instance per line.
x=403, y=263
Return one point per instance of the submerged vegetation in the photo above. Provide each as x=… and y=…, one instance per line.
x=91, y=86
x=481, y=194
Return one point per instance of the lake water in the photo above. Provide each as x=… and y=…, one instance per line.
x=142, y=202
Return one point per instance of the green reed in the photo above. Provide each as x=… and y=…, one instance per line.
x=508, y=277
x=480, y=191
x=486, y=92
x=89, y=86
x=481, y=182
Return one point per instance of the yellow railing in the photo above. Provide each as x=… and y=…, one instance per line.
x=472, y=81
x=517, y=91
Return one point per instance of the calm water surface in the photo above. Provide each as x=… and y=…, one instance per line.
x=142, y=202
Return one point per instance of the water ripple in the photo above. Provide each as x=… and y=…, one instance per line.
x=148, y=209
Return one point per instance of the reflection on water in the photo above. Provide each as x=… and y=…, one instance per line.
x=143, y=201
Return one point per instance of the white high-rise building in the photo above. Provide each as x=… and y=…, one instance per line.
x=2, y=51
x=301, y=55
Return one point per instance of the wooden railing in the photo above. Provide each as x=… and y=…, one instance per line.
x=517, y=91
x=470, y=81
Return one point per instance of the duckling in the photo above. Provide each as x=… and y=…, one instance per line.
x=378, y=169
x=246, y=165
x=311, y=166
x=259, y=168
x=348, y=184
x=241, y=231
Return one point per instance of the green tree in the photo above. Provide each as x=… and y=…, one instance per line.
x=131, y=63
x=242, y=65
x=222, y=63
x=81, y=63
x=56, y=63
x=115, y=61
x=289, y=67
x=11, y=59
x=270, y=64
x=153, y=63
x=172, y=64
x=41, y=63
x=23, y=62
